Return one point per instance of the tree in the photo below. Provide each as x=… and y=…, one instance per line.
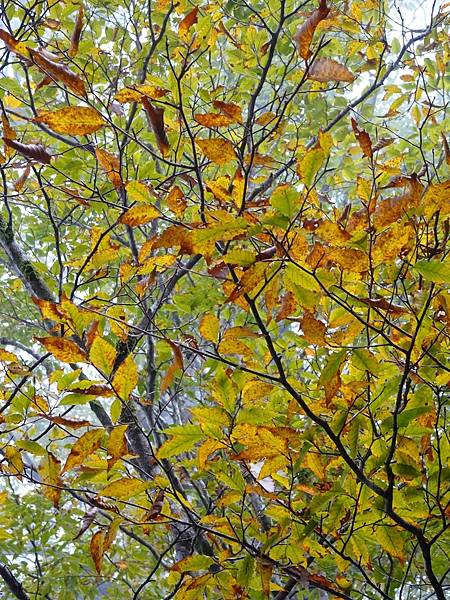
x=224, y=261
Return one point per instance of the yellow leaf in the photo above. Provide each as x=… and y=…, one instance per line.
x=49, y=470
x=205, y=450
x=102, y=355
x=63, y=349
x=137, y=191
x=218, y=150
x=117, y=444
x=86, y=445
x=209, y=327
x=14, y=459
x=139, y=215
x=7, y=356
x=72, y=120
x=437, y=198
x=125, y=378
x=136, y=92
x=255, y=390
x=125, y=488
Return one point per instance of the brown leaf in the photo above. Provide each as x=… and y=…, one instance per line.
x=59, y=72
x=363, y=139
x=446, y=149
x=76, y=34
x=35, y=152
x=325, y=69
x=229, y=109
x=111, y=166
x=86, y=523
x=66, y=422
x=156, y=507
x=305, y=32
x=14, y=45
x=155, y=118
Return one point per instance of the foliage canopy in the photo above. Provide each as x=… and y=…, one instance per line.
x=224, y=263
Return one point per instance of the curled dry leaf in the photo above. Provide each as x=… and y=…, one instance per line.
x=59, y=72
x=326, y=69
x=176, y=201
x=73, y=120
x=363, y=139
x=35, y=152
x=76, y=34
x=155, y=116
x=305, y=32
x=20, y=182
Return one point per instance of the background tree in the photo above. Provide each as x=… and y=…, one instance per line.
x=224, y=259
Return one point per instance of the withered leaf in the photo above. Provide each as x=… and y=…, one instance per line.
x=155, y=116
x=305, y=32
x=59, y=72
x=36, y=152
x=326, y=69
x=76, y=34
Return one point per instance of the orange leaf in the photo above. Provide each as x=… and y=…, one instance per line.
x=185, y=24
x=97, y=549
x=174, y=367
x=305, y=32
x=325, y=69
x=76, y=34
x=313, y=329
x=139, y=215
x=86, y=445
x=363, y=139
x=63, y=349
x=111, y=166
x=176, y=201
x=73, y=120
x=217, y=150
x=213, y=120
x=59, y=72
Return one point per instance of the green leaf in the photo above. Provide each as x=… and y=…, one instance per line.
x=434, y=270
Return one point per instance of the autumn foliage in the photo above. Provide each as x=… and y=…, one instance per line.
x=224, y=256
